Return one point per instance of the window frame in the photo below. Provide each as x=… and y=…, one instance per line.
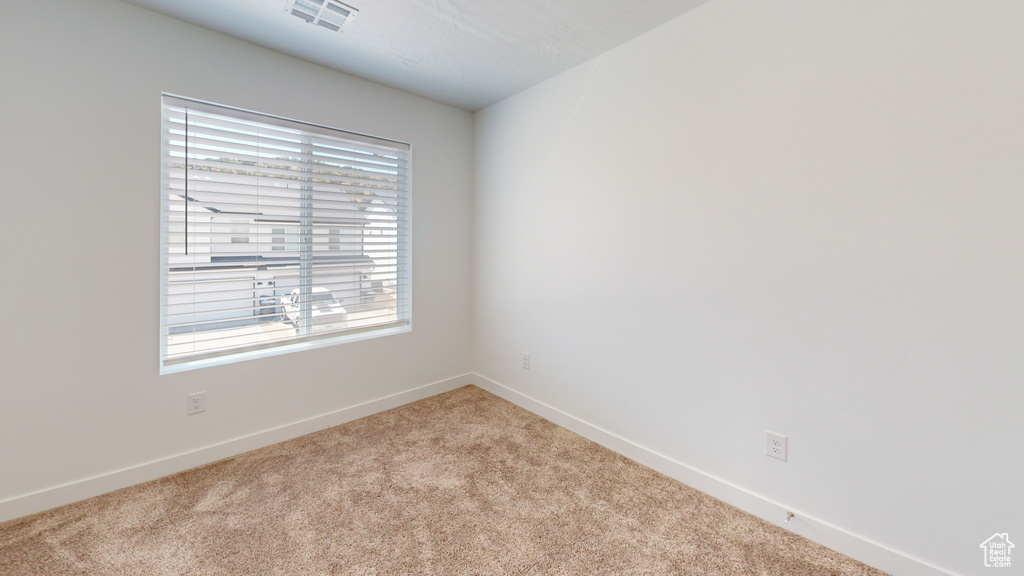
x=308, y=340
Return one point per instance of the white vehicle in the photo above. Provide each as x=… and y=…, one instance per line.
x=326, y=308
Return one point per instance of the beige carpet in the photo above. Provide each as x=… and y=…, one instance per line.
x=460, y=483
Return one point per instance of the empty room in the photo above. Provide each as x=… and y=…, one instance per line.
x=385, y=287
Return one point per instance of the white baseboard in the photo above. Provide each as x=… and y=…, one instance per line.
x=52, y=497
x=856, y=547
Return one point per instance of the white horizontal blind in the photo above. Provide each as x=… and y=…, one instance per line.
x=276, y=232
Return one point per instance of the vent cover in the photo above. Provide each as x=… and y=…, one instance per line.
x=327, y=13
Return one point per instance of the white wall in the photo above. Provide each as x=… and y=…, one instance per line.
x=800, y=216
x=79, y=230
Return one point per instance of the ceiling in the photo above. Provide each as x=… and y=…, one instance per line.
x=467, y=53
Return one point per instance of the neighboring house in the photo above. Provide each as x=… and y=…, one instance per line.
x=258, y=255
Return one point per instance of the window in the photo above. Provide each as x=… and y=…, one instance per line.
x=278, y=240
x=277, y=235
x=240, y=230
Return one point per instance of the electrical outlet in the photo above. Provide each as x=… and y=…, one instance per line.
x=526, y=361
x=776, y=445
x=196, y=403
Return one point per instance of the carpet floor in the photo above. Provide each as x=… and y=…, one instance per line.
x=463, y=483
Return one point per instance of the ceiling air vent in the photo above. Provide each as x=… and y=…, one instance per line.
x=327, y=13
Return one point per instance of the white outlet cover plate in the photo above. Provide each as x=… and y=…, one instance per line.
x=196, y=403
x=776, y=445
